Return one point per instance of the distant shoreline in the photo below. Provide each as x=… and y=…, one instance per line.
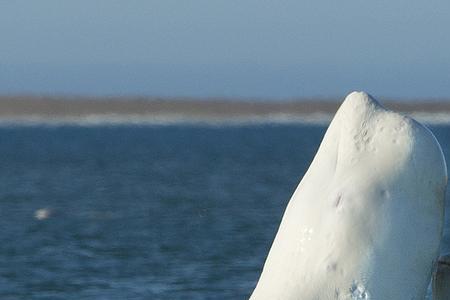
x=54, y=110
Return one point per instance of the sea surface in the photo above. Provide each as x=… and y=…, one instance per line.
x=147, y=212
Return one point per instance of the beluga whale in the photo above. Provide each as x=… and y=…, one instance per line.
x=366, y=220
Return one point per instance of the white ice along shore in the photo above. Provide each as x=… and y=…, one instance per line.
x=162, y=119
x=366, y=220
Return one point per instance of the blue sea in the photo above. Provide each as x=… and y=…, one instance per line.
x=147, y=212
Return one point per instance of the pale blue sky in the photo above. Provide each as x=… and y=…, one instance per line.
x=206, y=48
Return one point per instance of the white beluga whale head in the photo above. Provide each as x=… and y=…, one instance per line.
x=366, y=220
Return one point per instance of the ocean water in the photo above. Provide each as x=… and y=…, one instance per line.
x=147, y=212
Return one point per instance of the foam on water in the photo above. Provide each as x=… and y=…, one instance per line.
x=358, y=291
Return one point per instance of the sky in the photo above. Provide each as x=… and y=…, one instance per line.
x=237, y=49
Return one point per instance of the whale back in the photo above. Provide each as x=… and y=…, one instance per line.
x=366, y=220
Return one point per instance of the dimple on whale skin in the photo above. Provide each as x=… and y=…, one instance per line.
x=366, y=220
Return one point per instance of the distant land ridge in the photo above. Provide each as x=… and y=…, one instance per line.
x=32, y=109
